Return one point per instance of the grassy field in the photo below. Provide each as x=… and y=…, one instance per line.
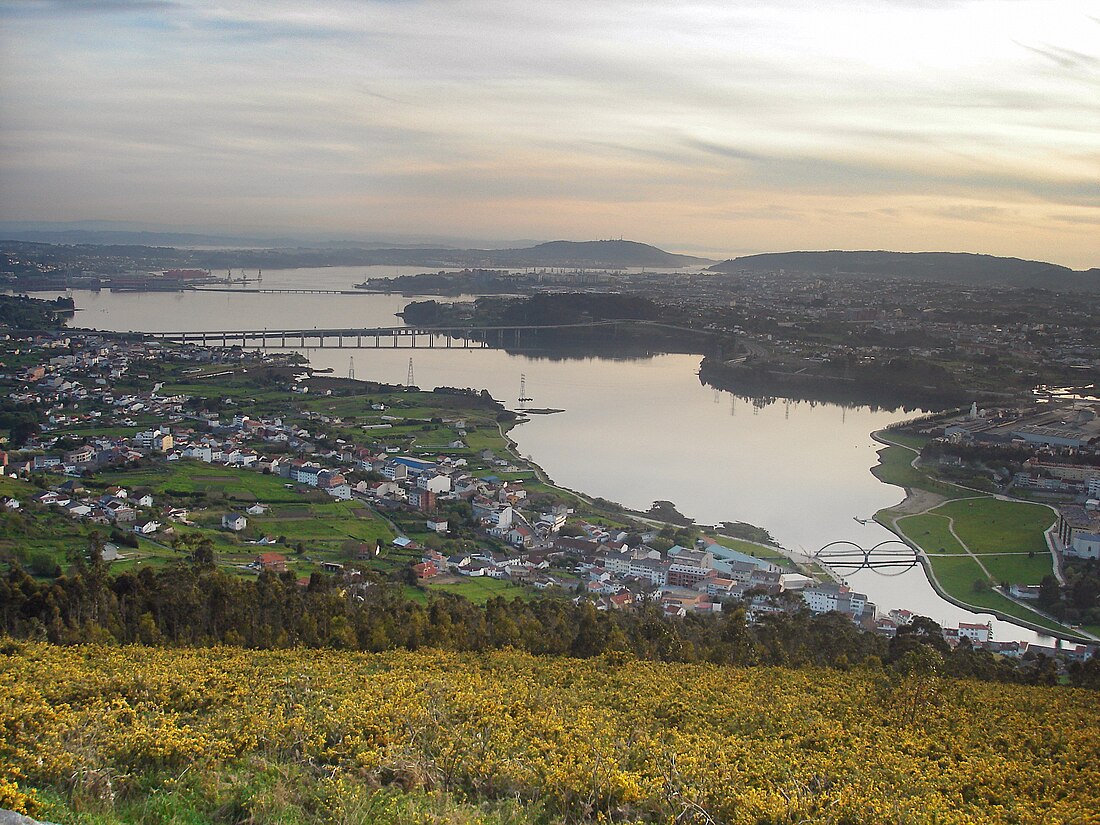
x=992, y=526
x=752, y=549
x=895, y=467
x=327, y=530
x=957, y=573
x=212, y=482
x=930, y=531
x=1007, y=535
x=905, y=439
x=479, y=590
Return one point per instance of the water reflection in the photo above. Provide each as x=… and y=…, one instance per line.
x=634, y=430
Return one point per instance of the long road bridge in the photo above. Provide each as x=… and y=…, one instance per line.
x=410, y=337
x=278, y=290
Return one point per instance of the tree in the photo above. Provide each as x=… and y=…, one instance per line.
x=203, y=554
x=1049, y=591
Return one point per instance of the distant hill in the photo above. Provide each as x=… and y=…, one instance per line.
x=584, y=254
x=114, y=237
x=592, y=253
x=961, y=268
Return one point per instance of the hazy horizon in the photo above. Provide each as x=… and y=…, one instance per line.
x=256, y=237
x=711, y=129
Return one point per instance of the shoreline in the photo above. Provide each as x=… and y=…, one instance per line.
x=543, y=477
x=913, y=497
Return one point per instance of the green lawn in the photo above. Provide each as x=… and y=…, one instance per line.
x=479, y=590
x=895, y=467
x=991, y=529
x=217, y=482
x=989, y=525
x=751, y=549
x=957, y=574
x=929, y=530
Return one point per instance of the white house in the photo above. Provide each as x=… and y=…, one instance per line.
x=980, y=633
x=829, y=597
x=200, y=452
x=435, y=484
x=341, y=492
x=234, y=521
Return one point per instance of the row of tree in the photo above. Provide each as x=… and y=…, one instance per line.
x=194, y=603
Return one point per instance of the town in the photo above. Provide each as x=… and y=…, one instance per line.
x=152, y=448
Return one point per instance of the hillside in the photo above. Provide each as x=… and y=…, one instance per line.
x=582, y=254
x=613, y=254
x=124, y=734
x=941, y=267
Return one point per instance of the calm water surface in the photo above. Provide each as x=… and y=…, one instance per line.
x=633, y=431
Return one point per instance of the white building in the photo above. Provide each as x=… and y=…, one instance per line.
x=341, y=492
x=436, y=484
x=977, y=633
x=827, y=598
x=234, y=521
x=651, y=569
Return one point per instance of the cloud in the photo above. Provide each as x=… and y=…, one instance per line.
x=732, y=111
x=1065, y=58
x=68, y=8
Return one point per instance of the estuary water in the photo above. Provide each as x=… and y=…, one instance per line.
x=632, y=430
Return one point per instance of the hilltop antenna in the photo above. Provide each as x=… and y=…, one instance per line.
x=410, y=381
x=351, y=368
x=523, y=396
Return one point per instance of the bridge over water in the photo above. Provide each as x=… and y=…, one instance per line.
x=406, y=337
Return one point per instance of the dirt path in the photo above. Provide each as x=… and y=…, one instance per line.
x=964, y=546
x=915, y=502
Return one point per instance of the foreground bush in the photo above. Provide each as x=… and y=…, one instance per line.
x=230, y=735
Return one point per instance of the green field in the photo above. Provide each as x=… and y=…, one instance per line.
x=212, y=482
x=895, y=467
x=1002, y=533
x=326, y=529
x=479, y=590
x=36, y=534
x=752, y=549
x=930, y=531
x=989, y=527
x=905, y=439
x=993, y=526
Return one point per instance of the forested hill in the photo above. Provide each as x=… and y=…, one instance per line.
x=943, y=267
x=567, y=254
x=592, y=253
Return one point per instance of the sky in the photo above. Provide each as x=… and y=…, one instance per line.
x=713, y=127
